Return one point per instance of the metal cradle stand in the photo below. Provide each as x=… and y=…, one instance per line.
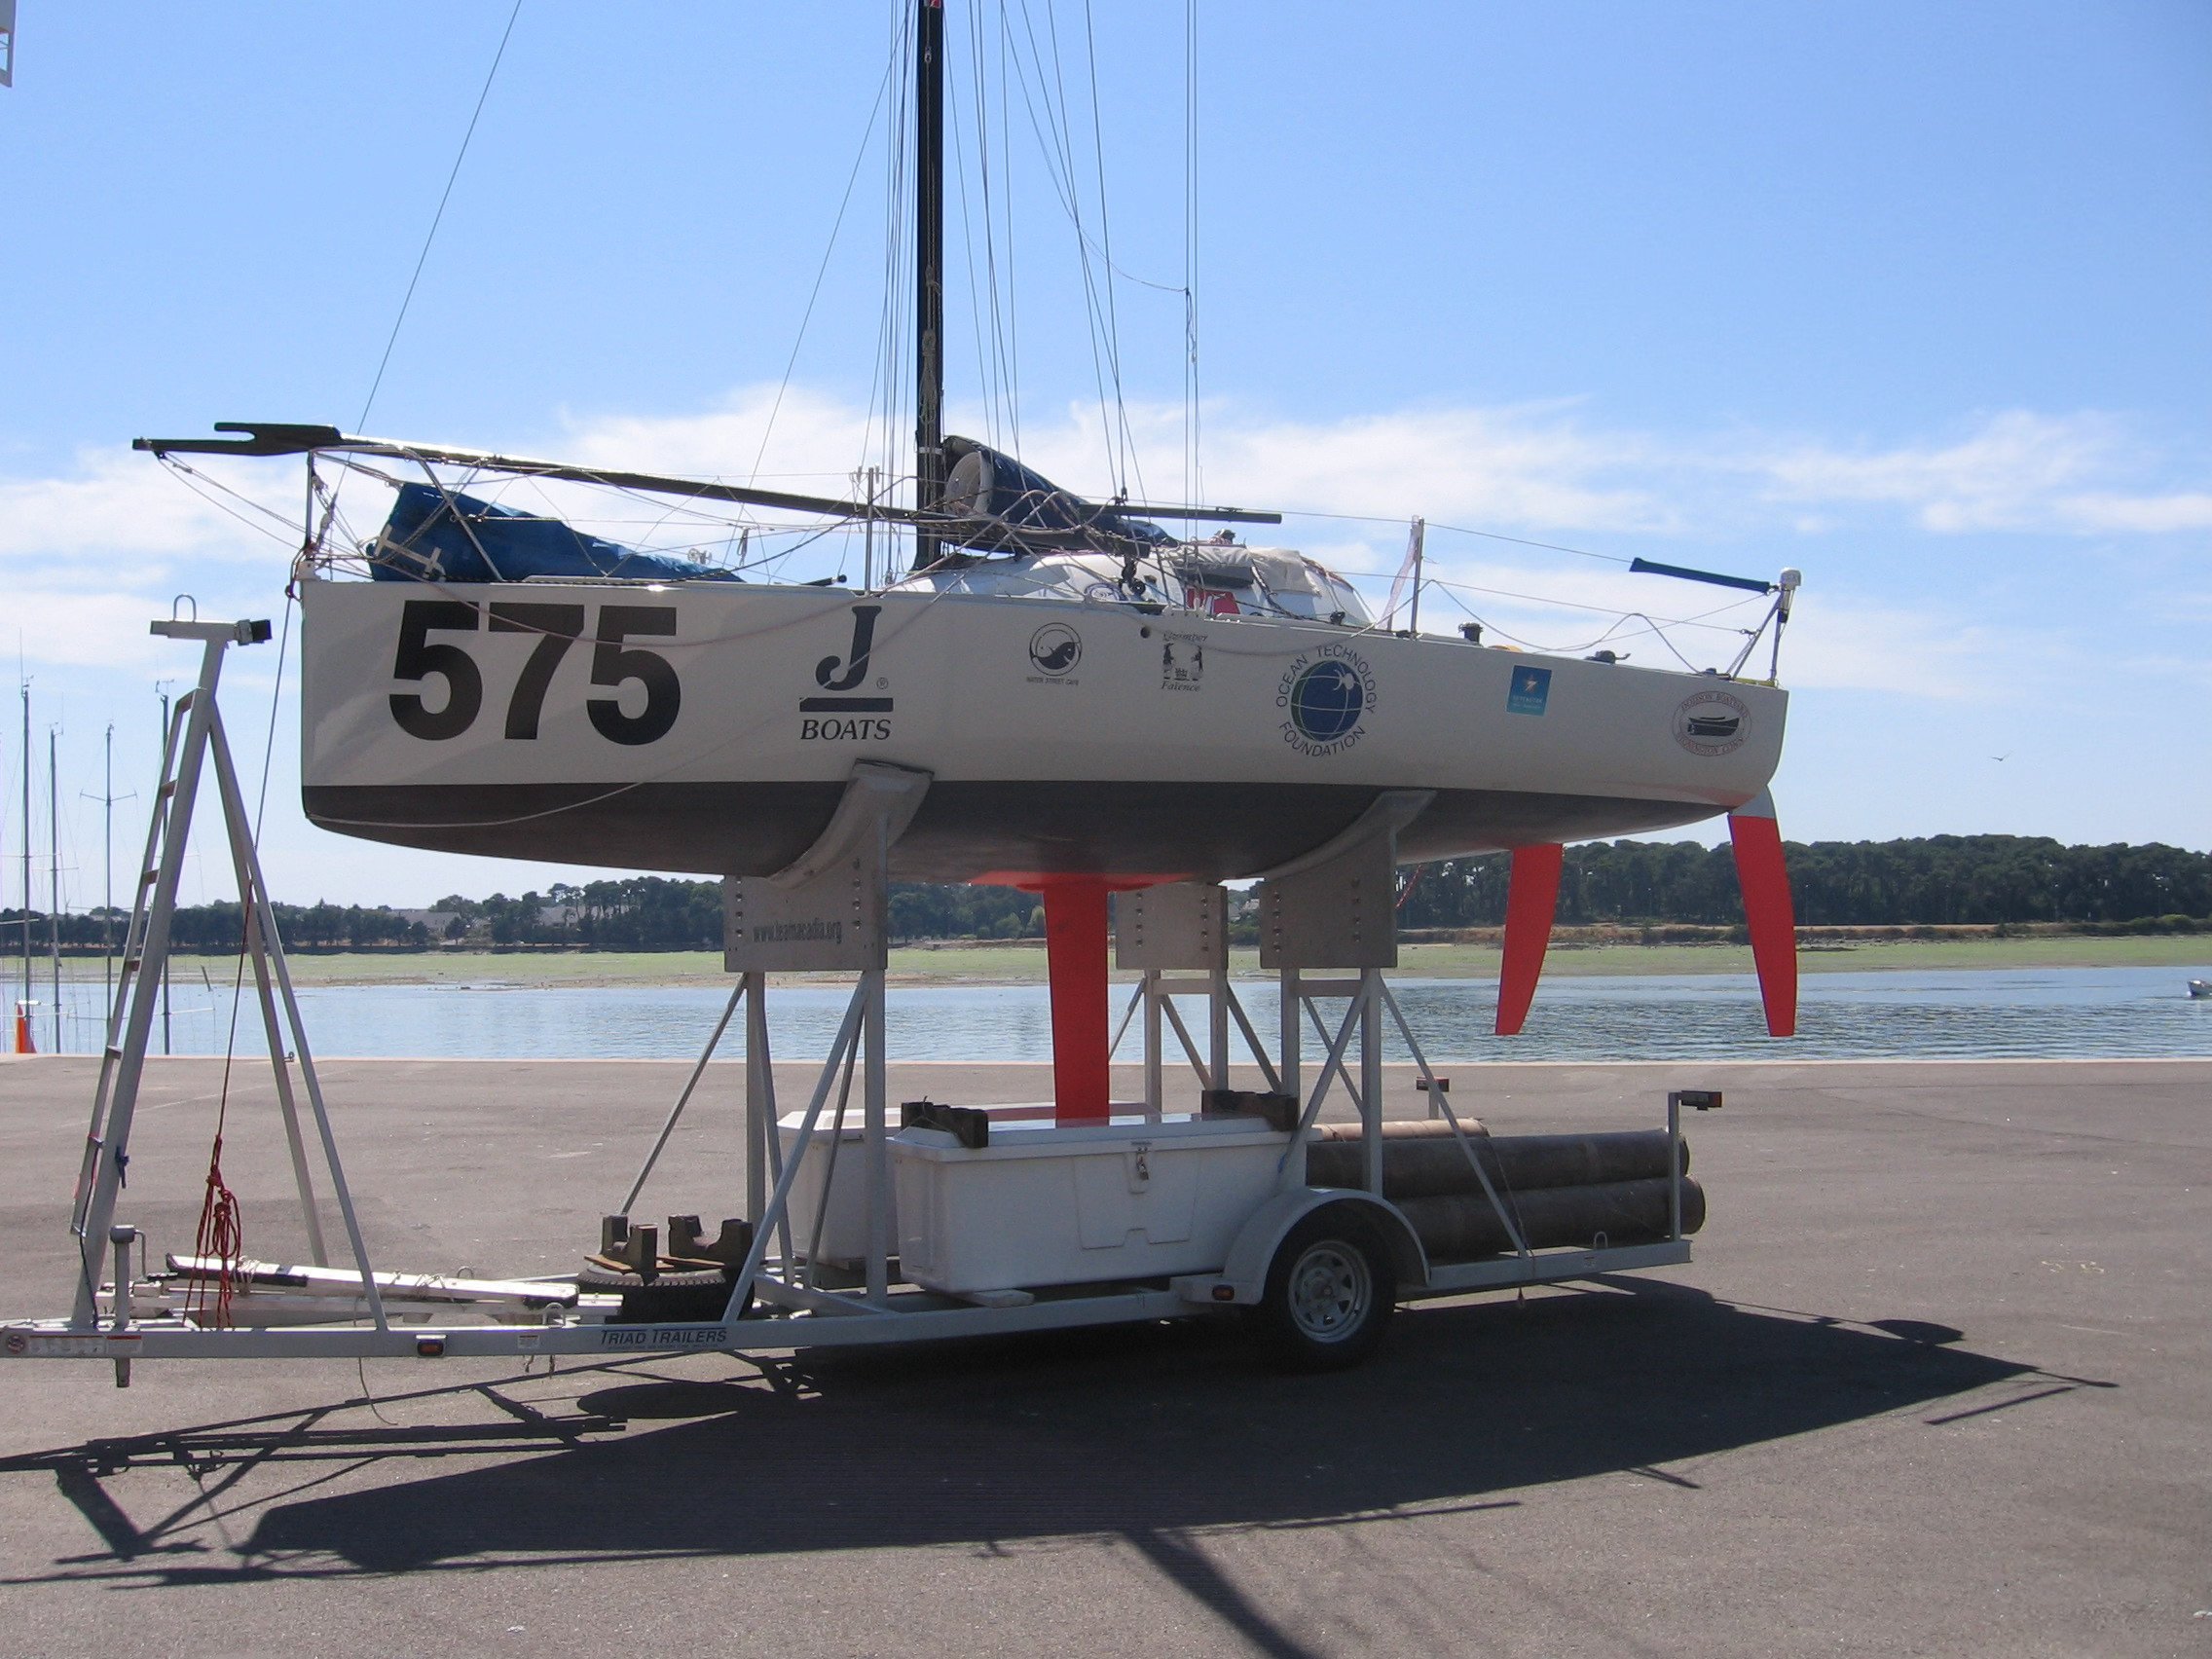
x=196, y=739
x=1327, y=931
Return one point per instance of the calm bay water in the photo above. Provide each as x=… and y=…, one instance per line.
x=2009, y=1013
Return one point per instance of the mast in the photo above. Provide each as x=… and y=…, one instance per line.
x=928, y=267
x=27, y=985
x=107, y=864
x=54, y=874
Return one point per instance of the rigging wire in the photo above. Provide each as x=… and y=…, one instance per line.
x=822, y=270
x=437, y=218
x=1106, y=247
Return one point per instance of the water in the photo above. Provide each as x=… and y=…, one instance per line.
x=2004, y=1013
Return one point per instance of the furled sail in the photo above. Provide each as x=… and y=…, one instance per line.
x=435, y=535
x=1005, y=506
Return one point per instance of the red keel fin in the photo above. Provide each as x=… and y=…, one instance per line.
x=1532, y=900
x=1075, y=956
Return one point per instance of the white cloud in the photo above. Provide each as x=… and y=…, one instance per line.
x=1545, y=472
x=79, y=628
x=2015, y=470
x=117, y=503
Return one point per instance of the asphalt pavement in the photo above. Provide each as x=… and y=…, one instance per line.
x=1940, y=1380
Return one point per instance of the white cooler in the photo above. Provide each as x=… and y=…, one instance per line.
x=844, y=1222
x=1041, y=1205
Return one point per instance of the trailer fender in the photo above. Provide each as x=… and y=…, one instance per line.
x=1243, y=1277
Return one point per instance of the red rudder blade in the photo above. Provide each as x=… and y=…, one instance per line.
x=1532, y=900
x=1768, y=914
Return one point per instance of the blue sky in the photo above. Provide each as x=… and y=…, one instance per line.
x=1913, y=297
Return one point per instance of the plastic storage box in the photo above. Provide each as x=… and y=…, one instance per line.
x=1041, y=1205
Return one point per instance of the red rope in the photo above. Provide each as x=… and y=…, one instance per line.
x=222, y=1227
x=222, y=1236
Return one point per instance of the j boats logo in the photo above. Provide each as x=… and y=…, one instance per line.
x=1712, y=722
x=1053, y=652
x=1325, y=697
x=845, y=718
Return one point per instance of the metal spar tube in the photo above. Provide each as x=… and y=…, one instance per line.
x=1428, y=1165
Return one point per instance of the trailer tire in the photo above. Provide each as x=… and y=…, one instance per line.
x=686, y=1298
x=1329, y=1293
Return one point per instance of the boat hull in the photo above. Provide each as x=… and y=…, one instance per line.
x=710, y=729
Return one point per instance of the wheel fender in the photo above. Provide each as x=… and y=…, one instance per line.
x=1245, y=1273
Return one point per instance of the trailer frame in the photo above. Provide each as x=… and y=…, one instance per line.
x=1328, y=931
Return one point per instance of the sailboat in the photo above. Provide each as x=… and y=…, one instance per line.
x=1094, y=698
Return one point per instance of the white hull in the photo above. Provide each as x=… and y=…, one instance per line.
x=1160, y=743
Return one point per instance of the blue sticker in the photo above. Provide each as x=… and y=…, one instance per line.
x=1530, y=690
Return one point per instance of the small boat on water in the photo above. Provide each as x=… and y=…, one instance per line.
x=2200, y=989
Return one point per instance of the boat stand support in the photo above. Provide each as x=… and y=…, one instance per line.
x=1182, y=929
x=193, y=743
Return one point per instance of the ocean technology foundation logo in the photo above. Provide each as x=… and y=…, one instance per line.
x=1325, y=697
x=1712, y=722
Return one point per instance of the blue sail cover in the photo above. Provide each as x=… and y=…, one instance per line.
x=433, y=537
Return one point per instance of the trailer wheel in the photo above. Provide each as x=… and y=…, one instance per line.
x=671, y=1299
x=1331, y=1290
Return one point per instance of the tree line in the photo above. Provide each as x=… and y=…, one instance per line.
x=1934, y=880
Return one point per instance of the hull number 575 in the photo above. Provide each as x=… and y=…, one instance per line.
x=614, y=662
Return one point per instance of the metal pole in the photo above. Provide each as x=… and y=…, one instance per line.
x=107, y=866
x=929, y=268
x=1370, y=1075
x=27, y=988
x=54, y=878
x=1153, y=1103
x=848, y=1033
x=1673, y=1165
x=766, y=1153
x=1288, y=1022
x=114, y=1150
x=878, y=1190
x=164, y=962
x=675, y=1111
x=1420, y=536
x=254, y=903
x=1217, y=1010
x=234, y=802
x=867, y=529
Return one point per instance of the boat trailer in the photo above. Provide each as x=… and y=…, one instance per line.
x=957, y=1221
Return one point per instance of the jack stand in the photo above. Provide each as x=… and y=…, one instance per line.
x=1182, y=927
x=195, y=737
x=1335, y=906
x=826, y=912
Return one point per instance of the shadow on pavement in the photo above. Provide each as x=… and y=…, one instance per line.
x=1145, y=1433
